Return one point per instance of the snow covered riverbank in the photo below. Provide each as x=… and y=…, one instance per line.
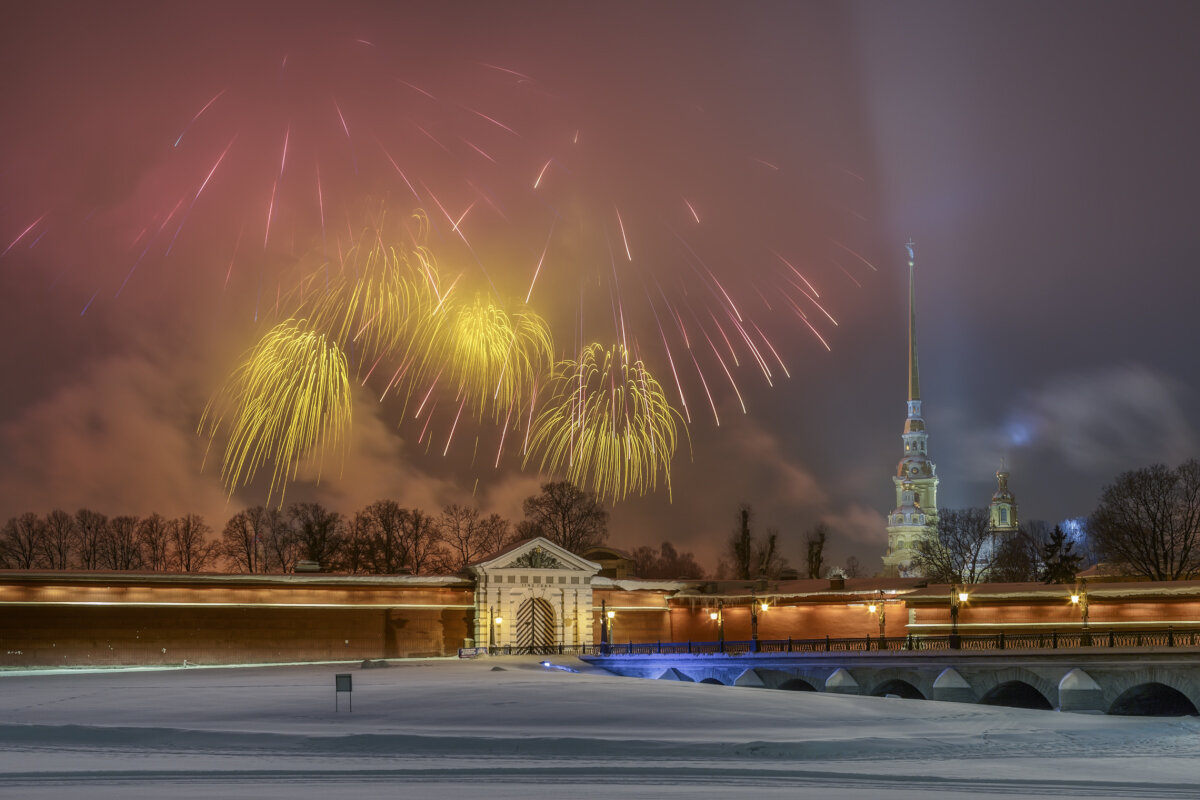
x=456, y=729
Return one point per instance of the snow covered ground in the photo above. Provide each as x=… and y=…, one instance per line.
x=447, y=728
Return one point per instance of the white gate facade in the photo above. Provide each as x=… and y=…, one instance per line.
x=540, y=593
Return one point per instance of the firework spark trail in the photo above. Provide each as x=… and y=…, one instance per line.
x=291, y=403
x=399, y=171
x=721, y=330
x=624, y=238
x=22, y=234
x=804, y=318
x=711, y=280
x=687, y=414
x=494, y=121
x=477, y=149
x=814, y=301
x=506, y=69
x=198, y=113
x=728, y=374
x=203, y=184
x=232, y=258
x=129, y=274
x=855, y=254
x=762, y=363
x=541, y=260
x=349, y=140
x=454, y=427
x=692, y=209
x=846, y=272
x=799, y=274
x=775, y=353
x=270, y=211
x=417, y=89
x=542, y=172
x=615, y=435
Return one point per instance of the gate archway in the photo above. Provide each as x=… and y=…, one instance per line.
x=536, y=627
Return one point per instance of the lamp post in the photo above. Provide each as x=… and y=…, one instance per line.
x=753, y=621
x=1080, y=598
x=493, y=621
x=958, y=596
x=603, y=627
x=610, y=615
x=878, y=608
x=718, y=617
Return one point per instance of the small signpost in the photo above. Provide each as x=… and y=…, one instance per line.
x=343, y=682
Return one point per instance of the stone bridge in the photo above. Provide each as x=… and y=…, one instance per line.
x=1156, y=681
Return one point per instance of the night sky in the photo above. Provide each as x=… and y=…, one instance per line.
x=1042, y=156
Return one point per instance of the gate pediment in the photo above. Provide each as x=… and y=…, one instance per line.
x=537, y=554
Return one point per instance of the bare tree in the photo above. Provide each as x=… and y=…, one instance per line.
x=468, y=536
x=154, y=538
x=665, y=563
x=566, y=515
x=814, y=543
x=318, y=532
x=387, y=550
x=61, y=539
x=92, y=527
x=1017, y=558
x=120, y=544
x=357, y=549
x=279, y=542
x=242, y=540
x=961, y=553
x=22, y=541
x=1149, y=521
x=741, y=545
x=853, y=568
x=191, y=550
x=768, y=563
x=421, y=540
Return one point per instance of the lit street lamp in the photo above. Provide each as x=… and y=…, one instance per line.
x=754, y=620
x=878, y=608
x=604, y=626
x=1080, y=598
x=958, y=596
x=493, y=621
x=718, y=617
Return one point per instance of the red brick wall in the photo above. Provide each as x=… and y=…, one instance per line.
x=65, y=623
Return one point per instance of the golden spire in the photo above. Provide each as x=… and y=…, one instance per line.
x=914, y=381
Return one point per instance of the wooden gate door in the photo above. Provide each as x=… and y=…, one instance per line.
x=536, y=627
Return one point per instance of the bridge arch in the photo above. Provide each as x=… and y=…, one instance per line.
x=1153, y=699
x=716, y=681
x=797, y=685
x=1016, y=694
x=1003, y=687
x=900, y=687
x=1121, y=689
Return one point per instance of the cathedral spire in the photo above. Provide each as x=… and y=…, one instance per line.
x=914, y=518
x=914, y=381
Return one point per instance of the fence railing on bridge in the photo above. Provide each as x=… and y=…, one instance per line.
x=1049, y=640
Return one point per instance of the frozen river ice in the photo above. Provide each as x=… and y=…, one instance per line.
x=452, y=728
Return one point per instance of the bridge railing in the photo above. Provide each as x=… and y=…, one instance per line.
x=1042, y=640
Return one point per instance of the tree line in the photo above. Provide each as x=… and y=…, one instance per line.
x=383, y=538
x=1146, y=524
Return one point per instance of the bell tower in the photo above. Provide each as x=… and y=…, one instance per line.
x=1003, y=509
x=915, y=515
